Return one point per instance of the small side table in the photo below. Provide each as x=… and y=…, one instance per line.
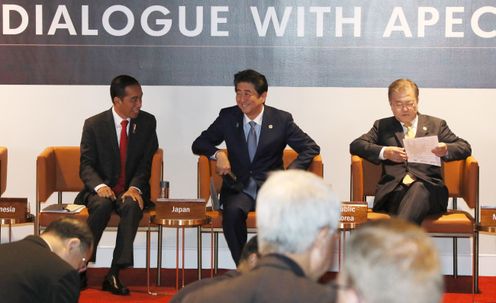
x=177, y=224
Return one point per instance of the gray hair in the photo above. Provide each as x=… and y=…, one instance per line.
x=292, y=207
x=391, y=261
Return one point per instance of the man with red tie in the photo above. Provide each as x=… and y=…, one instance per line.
x=117, y=147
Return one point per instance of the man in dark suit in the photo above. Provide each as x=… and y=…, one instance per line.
x=410, y=190
x=255, y=136
x=121, y=137
x=297, y=218
x=45, y=268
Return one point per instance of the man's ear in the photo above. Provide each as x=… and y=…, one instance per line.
x=252, y=260
x=117, y=100
x=73, y=244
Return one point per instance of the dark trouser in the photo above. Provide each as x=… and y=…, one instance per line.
x=236, y=208
x=417, y=201
x=130, y=214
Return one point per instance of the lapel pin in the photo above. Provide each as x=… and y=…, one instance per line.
x=270, y=126
x=237, y=125
x=134, y=128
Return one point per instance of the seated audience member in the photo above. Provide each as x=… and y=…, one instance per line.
x=248, y=260
x=297, y=216
x=409, y=190
x=45, y=268
x=390, y=261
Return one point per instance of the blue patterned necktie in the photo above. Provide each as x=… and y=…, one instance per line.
x=251, y=141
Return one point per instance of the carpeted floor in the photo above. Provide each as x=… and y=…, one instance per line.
x=139, y=294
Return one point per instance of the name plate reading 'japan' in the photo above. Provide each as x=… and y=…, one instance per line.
x=14, y=208
x=488, y=216
x=180, y=208
x=353, y=212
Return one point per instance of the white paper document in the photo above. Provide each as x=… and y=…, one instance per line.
x=419, y=150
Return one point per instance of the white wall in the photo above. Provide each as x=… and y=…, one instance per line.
x=33, y=117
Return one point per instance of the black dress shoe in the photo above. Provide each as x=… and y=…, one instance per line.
x=114, y=285
x=83, y=281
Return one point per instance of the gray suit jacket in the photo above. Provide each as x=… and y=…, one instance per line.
x=275, y=279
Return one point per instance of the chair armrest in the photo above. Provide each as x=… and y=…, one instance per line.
x=3, y=169
x=356, y=179
x=317, y=166
x=471, y=183
x=45, y=175
x=156, y=174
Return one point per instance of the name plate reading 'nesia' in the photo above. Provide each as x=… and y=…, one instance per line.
x=181, y=208
x=353, y=212
x=14, y=208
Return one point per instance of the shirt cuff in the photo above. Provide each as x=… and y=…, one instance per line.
x=139, y=190
x=99, y=186
x=214, y=156
x=381, y=154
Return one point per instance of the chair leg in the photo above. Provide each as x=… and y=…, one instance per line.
x=475, y=263
x=199, y=252
x=455, y=258
x=216, y=252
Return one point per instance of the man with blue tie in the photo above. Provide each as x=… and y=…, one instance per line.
x=255, y=136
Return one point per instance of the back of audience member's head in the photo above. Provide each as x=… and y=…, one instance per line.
x=66, y=228
x=70, y=239
x=297, y=213
x=390, y=261
x=249, y=255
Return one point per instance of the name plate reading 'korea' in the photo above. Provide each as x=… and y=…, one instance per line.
x=353, y=212
x=488, y=216
x=180, y=208
x=14, y=208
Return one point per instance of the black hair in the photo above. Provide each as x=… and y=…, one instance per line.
x=251, y=76
x=66, y=228
x=119, y=84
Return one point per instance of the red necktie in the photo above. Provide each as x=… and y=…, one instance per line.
x=119, y=187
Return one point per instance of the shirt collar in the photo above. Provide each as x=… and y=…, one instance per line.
x=414, y=123
x=117, y=118
x=257, y=120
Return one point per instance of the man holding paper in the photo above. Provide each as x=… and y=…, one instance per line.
x=410, y=190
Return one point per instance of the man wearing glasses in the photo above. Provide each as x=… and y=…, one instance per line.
x=45, y=268
x=409, y=190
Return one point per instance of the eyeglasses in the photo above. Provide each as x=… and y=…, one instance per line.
x=409, y=105
x=335, y=285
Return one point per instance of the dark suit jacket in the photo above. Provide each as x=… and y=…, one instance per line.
x=274, y=279
x=278, y=130
x=389, y=132
x=32, y=273
x=100, y=158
